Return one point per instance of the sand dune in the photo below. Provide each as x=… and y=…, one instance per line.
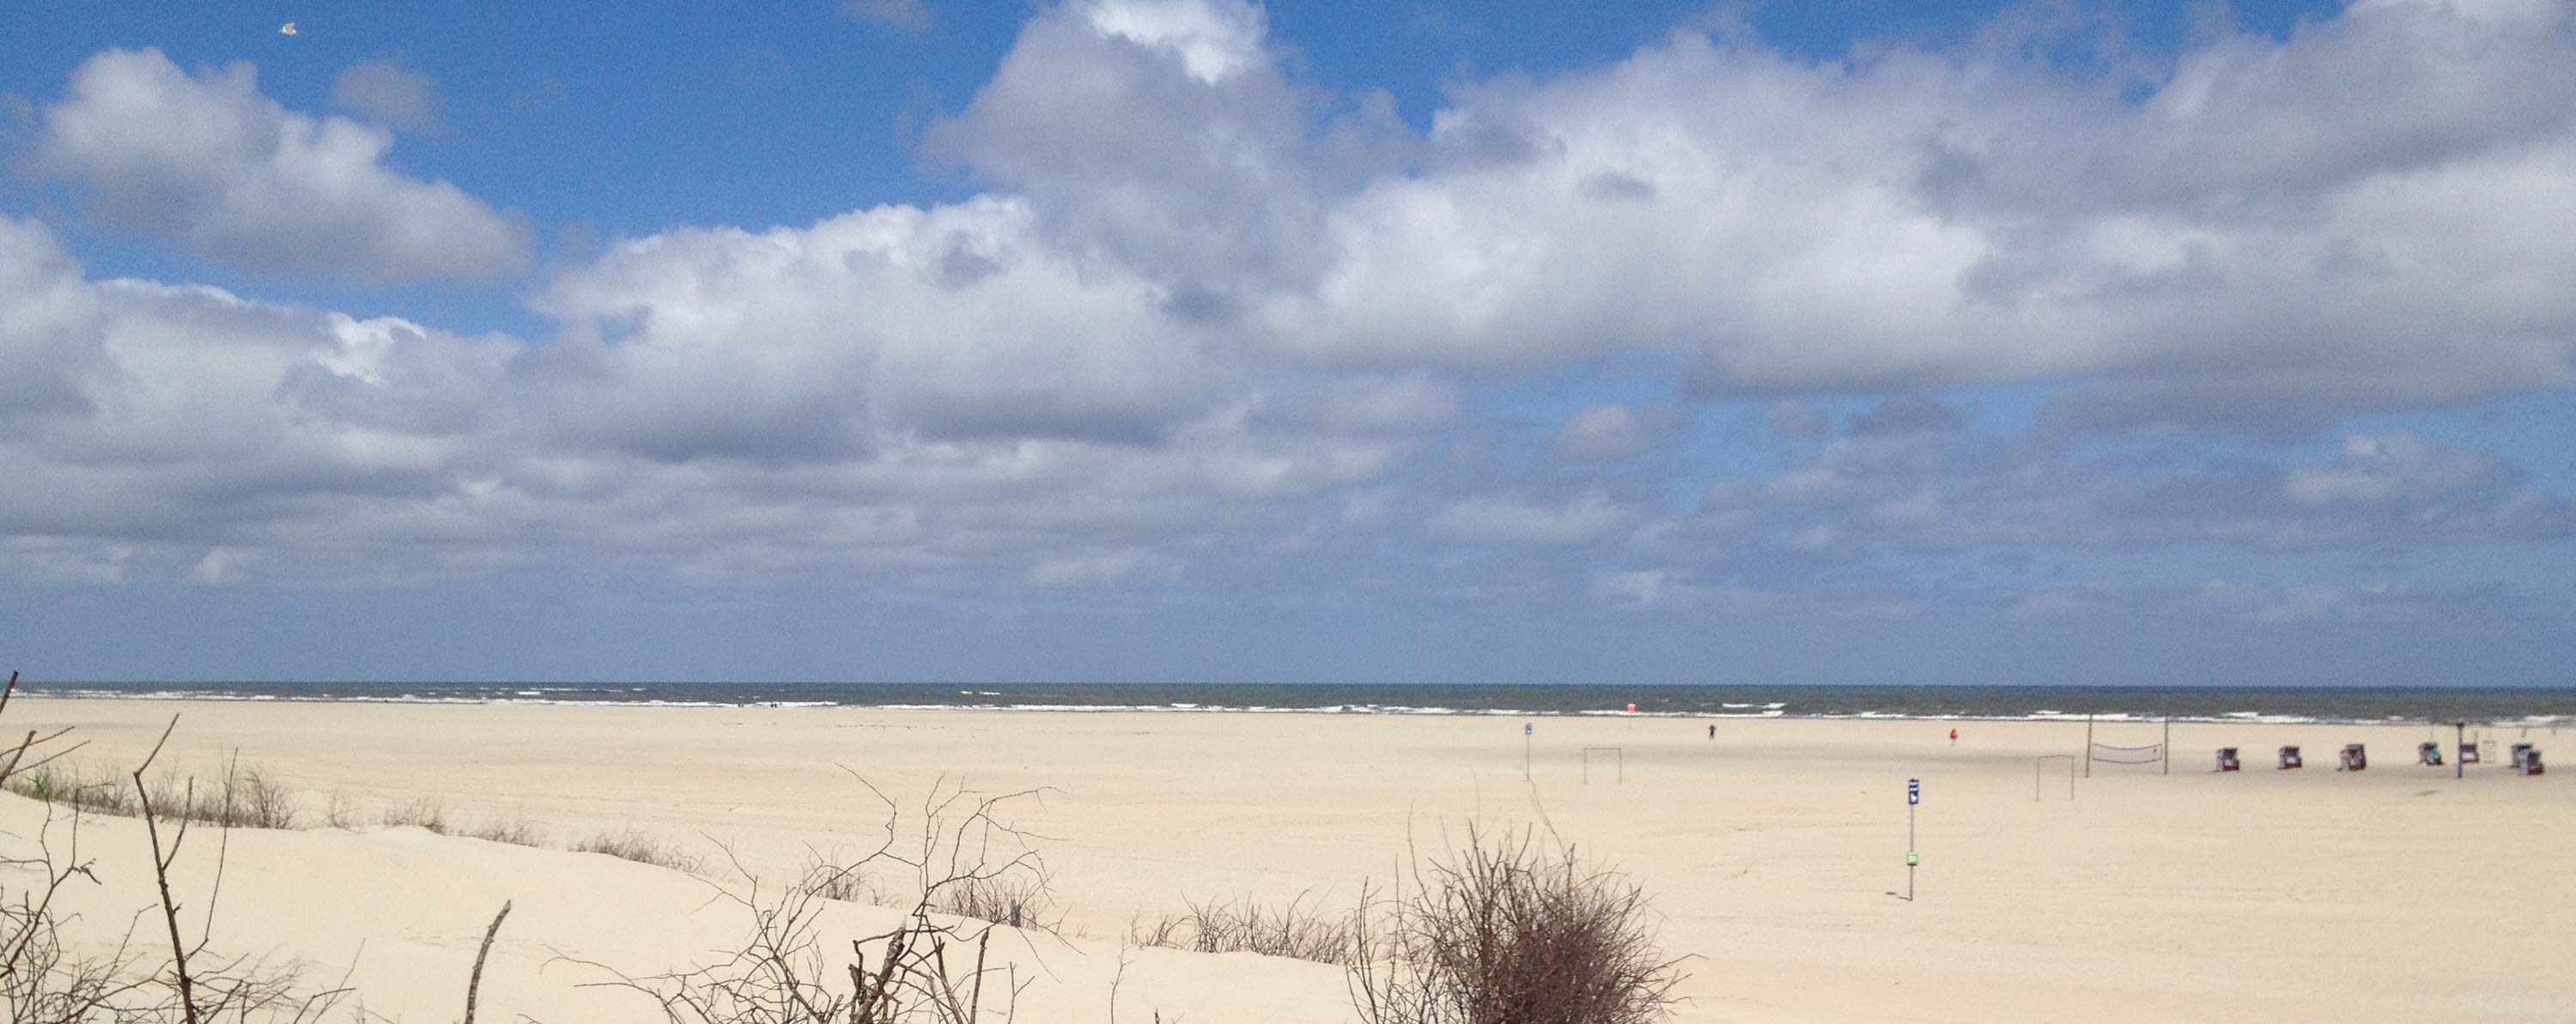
x=2395, y=894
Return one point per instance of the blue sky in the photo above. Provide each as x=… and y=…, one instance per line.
x=1861, y=342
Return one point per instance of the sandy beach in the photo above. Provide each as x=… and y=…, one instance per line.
x=1774, y=851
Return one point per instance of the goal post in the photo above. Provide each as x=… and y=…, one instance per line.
x=1618, y=756
x=2039, y=774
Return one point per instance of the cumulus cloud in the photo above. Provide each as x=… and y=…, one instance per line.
x=207, y=161
x=48, y=316
x=951, y=322
x=1214, y=326
x=189, y=434
x=2256, y=238
x=190, y=414
x=1163, y=135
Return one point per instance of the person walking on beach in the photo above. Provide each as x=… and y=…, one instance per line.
x=1712, y=731
x=1954, y=737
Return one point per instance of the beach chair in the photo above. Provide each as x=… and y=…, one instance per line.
x=2531, y=763
x=2290, y=758
x=2428, y=753
x=2520, y=751
x=2468, y=753
x=2227, y=759
x=2353, y=758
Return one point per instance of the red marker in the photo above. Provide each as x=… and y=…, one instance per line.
x=1954, y=737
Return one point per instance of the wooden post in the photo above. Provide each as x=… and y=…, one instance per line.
x=2167, y=752
x=2088, y=746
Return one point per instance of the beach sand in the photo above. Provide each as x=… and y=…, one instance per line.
x=1774, y=852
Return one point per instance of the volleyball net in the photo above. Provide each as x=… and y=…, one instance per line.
x=2104, y=753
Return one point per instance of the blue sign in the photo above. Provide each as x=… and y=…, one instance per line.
x=1913, y=791
x=1527, y=728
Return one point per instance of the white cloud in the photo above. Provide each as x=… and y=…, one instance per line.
x=1103, y=569
x=952, y=322
x=1927, y=492
x=1666, y=590
x=190, y=410
x=1160, y=135
x=1507, y=520
x=388, y=94
x=209, y=162
x=220, y=566
x=48, y=319
x=2246, y=242
x=1601, y=432
x=2380, y=470
x=1214, y=39
x=1203, y=333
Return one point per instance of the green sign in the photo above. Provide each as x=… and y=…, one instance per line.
x=1912, y=858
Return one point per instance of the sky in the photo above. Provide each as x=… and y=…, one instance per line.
x=1853, y=341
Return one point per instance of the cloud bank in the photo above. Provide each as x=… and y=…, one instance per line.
x=1211, y=329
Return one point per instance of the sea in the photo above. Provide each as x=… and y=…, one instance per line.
x=2532, y=707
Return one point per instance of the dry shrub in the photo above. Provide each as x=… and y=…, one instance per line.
x=515, y=831
x=932, y=967
x=137, y=981
x=642, y=848
x=244, y=800
x=824, y=879
x=422, y=813
x=241, y=799
x=339, y=813
x=1020, y=897
x=76, y=786
x=1243, y=925
x=1507, y=930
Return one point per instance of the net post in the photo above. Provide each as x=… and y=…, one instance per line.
x=2164, y=753
x=2088, y=746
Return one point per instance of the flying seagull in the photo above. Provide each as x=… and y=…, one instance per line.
x=287, y=29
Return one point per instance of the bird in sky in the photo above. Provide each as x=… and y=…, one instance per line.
x=287, y=29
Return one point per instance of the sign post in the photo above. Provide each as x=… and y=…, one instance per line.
x=1913, y=798
x=1526, y=729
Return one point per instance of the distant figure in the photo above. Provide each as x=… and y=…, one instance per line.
x=1954, y=737
x=1712, y=732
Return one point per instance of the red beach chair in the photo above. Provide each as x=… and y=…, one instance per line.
x=2531, y=763
x=2468, y=753
x=2290, y=758
x=2227, y=760
x=2428, y=753
x=2354, y=758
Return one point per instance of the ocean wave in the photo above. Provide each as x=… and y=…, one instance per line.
x=2239, y=707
